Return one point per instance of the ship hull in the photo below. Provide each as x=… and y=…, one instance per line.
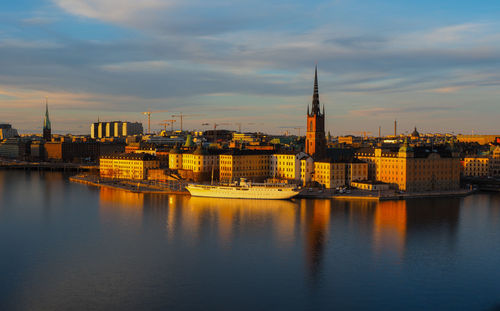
x=264, y=193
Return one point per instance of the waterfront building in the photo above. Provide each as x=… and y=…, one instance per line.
x=70, y=151
x=332, y=174
x=413, y=169
x=127, y=165
x=306, y=170
x=47, y=127
x=329, y=174
x=115, y=129
x=14, y=148
x=286, y=166
x=251, y=164
x=476, y=166
x=315, y=135
x=6, y=131
x=175, y=158
x=200, y=165
x=482, y=166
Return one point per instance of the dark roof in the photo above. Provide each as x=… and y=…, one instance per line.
x=247, y=152
x=131, y=156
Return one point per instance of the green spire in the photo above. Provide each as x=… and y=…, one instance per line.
x=46, y=120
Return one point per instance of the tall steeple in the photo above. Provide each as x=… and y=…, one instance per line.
x=315, y=99
x=46, y=123
x=315, y=136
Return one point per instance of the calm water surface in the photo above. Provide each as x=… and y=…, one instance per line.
x=68, y=246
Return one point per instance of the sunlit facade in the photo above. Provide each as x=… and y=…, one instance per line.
x=127, y=166
x=413, y=170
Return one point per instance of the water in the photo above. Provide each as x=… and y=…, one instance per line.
x=68, y=246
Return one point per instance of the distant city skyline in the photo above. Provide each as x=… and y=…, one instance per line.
x=433, y=65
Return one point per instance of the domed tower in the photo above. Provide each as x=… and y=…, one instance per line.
x=315, y=136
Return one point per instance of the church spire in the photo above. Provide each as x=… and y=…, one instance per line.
x=46, y=123
x=315, y=99
x=46, y=120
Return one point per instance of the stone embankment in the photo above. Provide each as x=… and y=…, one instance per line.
x=378, y=195
x=46, y=166
x=142, y=186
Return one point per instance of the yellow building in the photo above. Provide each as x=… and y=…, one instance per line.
x=287, y=165
x=254, y=165
x=306, y=170
x=476, y=166
x=127, y=165
x=328, y=174
x=175, y=159
x=199, y=165
x=339, y=174
x=413, y=170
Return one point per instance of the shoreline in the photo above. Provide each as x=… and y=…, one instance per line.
x=130, y=186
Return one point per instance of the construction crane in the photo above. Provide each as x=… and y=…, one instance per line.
x=294, y=128
x=239, y=124
x=148, y=113
x=181, y=116
x=364, y=134
x=215, y=128
x=171, y=123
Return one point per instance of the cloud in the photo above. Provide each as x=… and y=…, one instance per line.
x=119, y=11
x=384, y=111
x=449, y=89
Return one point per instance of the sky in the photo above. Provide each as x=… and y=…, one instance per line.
x=430, y=64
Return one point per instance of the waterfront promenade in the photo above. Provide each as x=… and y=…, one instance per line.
x=141, y=186
x=178, y=187
x=46, y=166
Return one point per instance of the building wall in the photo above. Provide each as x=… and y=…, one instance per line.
x=405, y=172
x=480, y=139
x=115, y=129
x=200, y=163
x=175, y=161
x=6, y=133
x=126, y=168
x=306, y=170
x=254, y=167
x=286, y=166
x=330, y=175
x=11, y=148
x=476, y=166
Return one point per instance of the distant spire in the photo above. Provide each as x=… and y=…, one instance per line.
x=46, y=120
x=315, y=99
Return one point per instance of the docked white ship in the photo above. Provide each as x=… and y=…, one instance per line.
x=244, y=190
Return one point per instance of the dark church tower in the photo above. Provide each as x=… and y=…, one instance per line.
x=47, y=136
x=315, y=139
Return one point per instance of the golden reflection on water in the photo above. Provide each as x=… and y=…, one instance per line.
x=237, y=214
x=390, y=225
x=121, y=204
x=286, y=223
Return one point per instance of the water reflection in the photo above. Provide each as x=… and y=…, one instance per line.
x=315, y=220
x=388, y=225
x=122, y=205
x=233, y=216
